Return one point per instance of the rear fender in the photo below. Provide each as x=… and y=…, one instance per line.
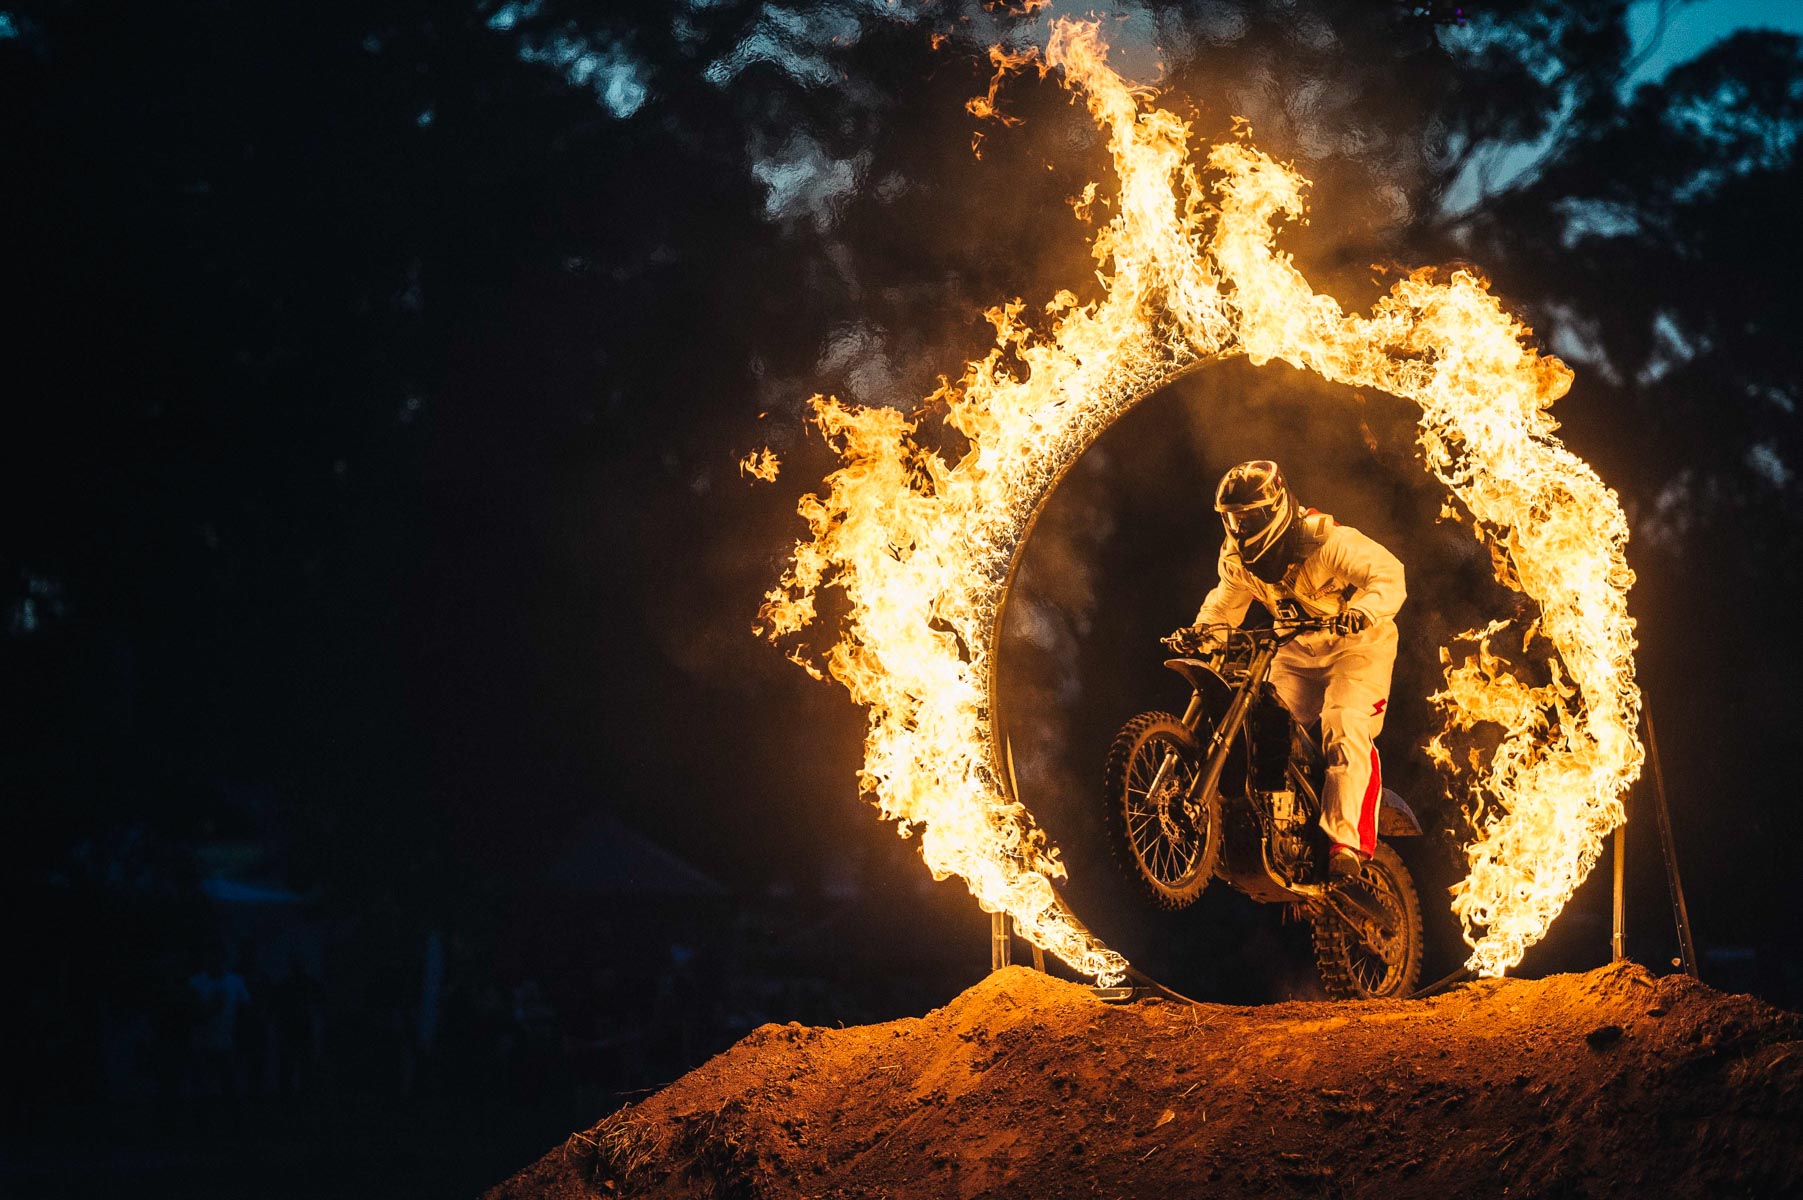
x=1395, y=818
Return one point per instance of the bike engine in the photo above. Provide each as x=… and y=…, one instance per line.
x=1289, y=827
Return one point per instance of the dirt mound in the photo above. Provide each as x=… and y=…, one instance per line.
x=1610, y=1083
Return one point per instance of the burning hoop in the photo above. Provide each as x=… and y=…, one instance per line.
x=924, y=548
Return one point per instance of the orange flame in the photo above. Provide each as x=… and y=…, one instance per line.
x=984, y=107
x=921, y=546
x=761, y=464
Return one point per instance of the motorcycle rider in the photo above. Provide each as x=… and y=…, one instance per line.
x=1303, y=565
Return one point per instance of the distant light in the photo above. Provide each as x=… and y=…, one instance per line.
x=1765, y=461
x=624, y=94
x=615, y=77
x=9, y=28
x=509, y=15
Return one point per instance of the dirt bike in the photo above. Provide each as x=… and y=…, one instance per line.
x=1232, y=789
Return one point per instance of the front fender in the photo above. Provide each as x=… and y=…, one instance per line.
x=1216, y=692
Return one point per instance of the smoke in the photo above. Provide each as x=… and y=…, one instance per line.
x=1126, y=549
x=887, y=237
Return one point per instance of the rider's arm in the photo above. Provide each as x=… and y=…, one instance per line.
x=1371, y=569
x=1227, y=602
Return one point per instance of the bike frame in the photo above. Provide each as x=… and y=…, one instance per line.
x=1235, y=720
x=1258, y=852
x=1230, y=727
x=1246, y=862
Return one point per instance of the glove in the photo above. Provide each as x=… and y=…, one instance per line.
x=1350, y=622
x=1197, y=639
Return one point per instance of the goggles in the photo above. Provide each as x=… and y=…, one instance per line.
x=1245, y=521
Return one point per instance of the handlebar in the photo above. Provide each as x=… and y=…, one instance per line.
x=1188, y=640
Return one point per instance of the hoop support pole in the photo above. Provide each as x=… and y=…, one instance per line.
x=1680, y=911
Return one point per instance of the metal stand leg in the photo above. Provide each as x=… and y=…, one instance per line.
x=1680, y=911
x=1000, y=926
x=1618, y=931
x=1001, y=945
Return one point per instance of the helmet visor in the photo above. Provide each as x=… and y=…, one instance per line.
x=1256, y=507
x=1245, y=522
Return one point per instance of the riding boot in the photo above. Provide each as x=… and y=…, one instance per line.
x=1343, y=862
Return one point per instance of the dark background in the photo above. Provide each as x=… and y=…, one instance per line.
x=378, y=579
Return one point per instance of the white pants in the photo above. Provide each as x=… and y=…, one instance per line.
x=1347, y=685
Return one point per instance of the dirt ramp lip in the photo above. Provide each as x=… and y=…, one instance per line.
x=1602, y=1084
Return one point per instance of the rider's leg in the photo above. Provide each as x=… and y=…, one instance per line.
x=1301, y=685
x=1352, y=715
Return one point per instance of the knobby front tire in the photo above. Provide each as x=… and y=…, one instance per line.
x=1349, y=969
x=1167, y=845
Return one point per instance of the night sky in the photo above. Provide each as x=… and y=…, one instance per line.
x=378, y=576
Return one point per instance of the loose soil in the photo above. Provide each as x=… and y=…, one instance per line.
x=1611, y=1083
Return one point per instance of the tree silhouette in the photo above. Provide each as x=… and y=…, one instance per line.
x=383, y=367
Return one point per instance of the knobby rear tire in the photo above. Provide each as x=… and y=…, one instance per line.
x=1164, y=871
x=1347, y=969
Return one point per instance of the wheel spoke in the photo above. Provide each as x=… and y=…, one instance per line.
x=1163, y=830
x=1374, y=969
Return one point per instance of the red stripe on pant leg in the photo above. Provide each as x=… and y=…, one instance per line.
x=1368, y=809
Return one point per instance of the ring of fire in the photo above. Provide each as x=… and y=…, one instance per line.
x=923, y=548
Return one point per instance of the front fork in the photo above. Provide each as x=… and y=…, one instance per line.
x=1224, y=733
x=1229, y=727
x=1170, y=761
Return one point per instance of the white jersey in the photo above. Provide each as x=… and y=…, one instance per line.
x=1341, y=569
x=1343, y=681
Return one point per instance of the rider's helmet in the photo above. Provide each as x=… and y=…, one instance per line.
x=1259, y=512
